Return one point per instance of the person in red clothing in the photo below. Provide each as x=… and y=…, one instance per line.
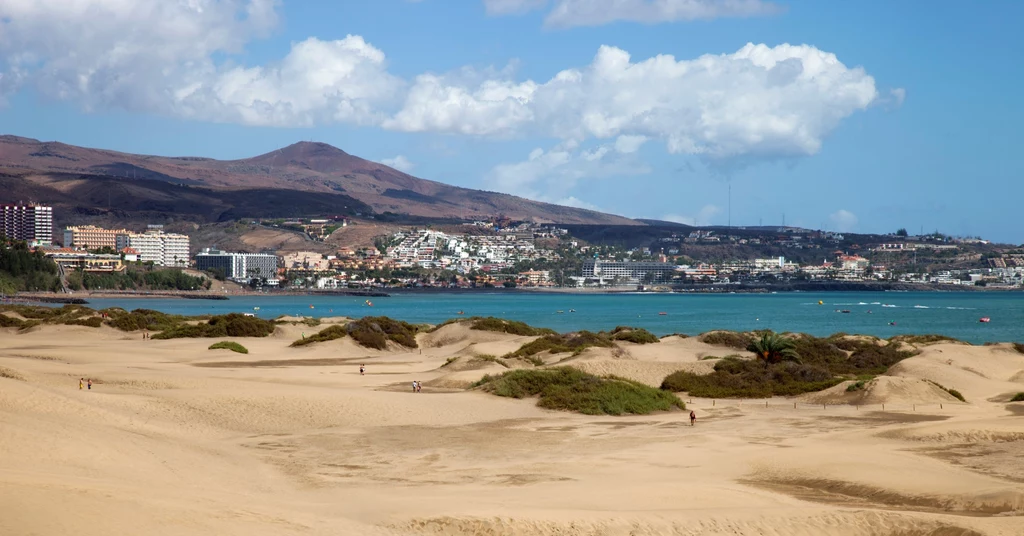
x=693, y=418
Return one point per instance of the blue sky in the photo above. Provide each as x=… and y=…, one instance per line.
x=880, y=115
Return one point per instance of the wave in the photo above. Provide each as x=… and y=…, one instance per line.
x=921, y=307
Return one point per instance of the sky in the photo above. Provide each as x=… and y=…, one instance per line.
x=860, y=116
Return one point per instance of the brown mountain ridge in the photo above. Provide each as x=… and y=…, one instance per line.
x=303, y=179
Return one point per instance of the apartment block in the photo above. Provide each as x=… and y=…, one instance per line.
x=92, y=237
x=238, y=266
x=31, y=223
x=158, y=247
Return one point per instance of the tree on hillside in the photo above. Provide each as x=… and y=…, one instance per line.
x=902, y=231
x=773, y=348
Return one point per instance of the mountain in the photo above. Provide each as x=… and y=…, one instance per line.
x=303, y=179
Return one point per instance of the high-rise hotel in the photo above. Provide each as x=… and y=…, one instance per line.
x=31, y=223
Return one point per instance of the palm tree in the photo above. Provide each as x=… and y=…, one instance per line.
x=773, y=348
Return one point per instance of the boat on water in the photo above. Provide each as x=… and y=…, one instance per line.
x=662, y=314
x=984, y=320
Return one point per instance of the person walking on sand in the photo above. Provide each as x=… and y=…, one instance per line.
x=362, y=370
x=81, y=383
x=693, y=418
x=419, y=387
x=89, y=383
x=414, y=386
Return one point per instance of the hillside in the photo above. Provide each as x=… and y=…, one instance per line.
x=303, y=179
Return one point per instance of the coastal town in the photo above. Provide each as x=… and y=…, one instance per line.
x=505, y=254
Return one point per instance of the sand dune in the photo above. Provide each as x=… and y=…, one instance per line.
x=175, y=439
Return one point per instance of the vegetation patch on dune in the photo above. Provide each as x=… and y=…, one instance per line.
x=634, y=335
x=36, y=315
x=11, y=374
x=230, y=325
x=142, y=319
x=569, y=389
x=331, y=333
x=512, y=327
x=557, y=344
x=229, y=345
x=740, y=341
x=1019, y=347
x=376, y=331
x=787, y=366
x=1019, y=397
x=922, y=340
x=953, y=392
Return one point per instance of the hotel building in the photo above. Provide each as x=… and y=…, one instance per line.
x=31, y=223
x=92, y=237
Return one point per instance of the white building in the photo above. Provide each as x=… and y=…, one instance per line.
x=239, y=266
x=158, y=247
x=31, y=223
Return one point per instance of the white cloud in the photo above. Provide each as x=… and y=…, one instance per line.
x=158, y=56
x=573, y=201
x=400, y=163
x=843, y=220
x=629, y=144
x=757, y=102
x=551, y=175
x=512, y=7
x=176, y=58
x=702, y=217
x=568, y=13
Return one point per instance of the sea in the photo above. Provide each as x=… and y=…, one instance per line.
x=883, y=314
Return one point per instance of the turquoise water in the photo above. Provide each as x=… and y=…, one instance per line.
x=952, y=314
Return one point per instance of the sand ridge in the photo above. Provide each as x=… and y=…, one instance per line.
x=176, y=439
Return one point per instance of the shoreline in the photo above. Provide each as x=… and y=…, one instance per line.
x=82, y=297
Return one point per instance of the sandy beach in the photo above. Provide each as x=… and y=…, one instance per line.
x=176, y=439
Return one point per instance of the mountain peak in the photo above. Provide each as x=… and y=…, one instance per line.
x=312, y=155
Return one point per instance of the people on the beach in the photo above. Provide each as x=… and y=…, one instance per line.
x=414, y=385
x=362, y=370
x=693, y=418
x=419, y=387
x=89, y=383
x=81, y=383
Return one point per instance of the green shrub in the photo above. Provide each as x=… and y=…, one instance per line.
x=923, y=339
x=230, y=325
x=575, y=343
x=512, y=327
x=92, y=322
x=29, y=324
x=376, y=331
x=634, y=335
x=554, y=344
x=10, y=322
x=680, y=335
x=823, y=363
x=568, y=389
x=1019, y=397
x=856, y=386
x=956, y=394
x=141, y=319
x=742, y=378
x=330, y=333
x=740, y=341
x=229, y=345
x=491, y=359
